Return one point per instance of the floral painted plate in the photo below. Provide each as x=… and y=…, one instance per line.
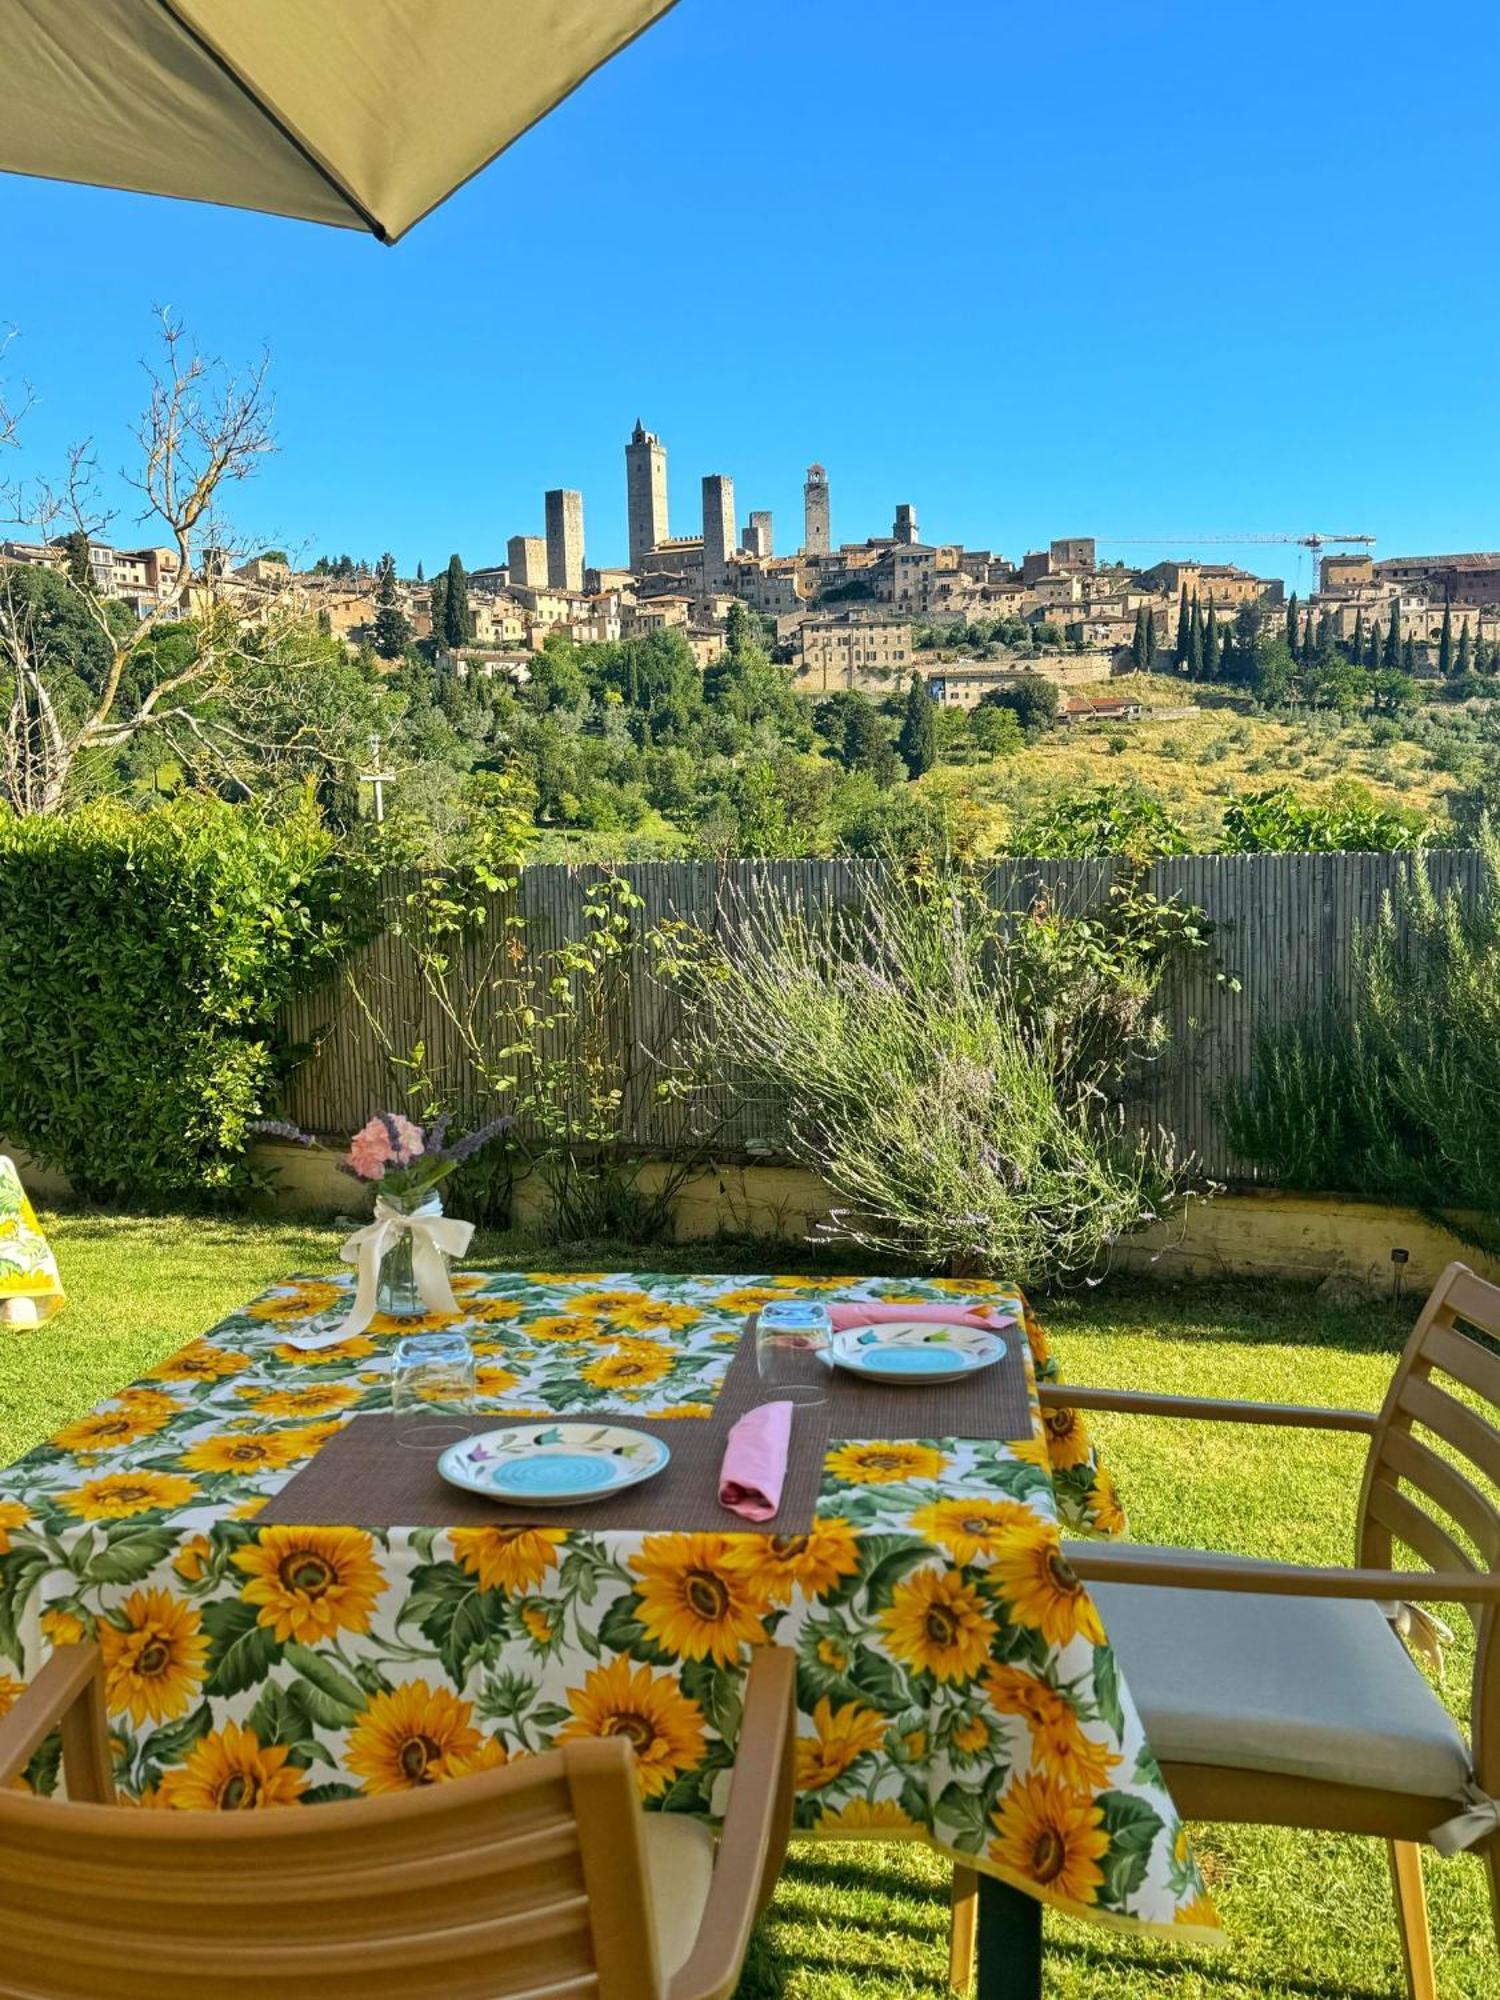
x=910, y=1350
x=563, y=1465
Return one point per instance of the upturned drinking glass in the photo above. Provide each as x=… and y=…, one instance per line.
x=432, y=1390
x=792, y=1342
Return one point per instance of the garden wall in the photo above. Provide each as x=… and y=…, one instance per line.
x=1284, y=924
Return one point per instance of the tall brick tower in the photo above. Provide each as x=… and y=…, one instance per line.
x=718, y=529
x=564, y=539
x=816, y=539
x=645, y=493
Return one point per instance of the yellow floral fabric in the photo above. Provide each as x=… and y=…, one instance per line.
x=954, y=1681
x=28, y=1269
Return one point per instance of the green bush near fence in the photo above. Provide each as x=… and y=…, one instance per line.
x=144, y=958
x=1393, y=1092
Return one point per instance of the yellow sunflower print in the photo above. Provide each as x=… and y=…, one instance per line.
x=937, y=1623
x=493, y=1312
x=1059, y=1747
x=563, y=1327
x=153, y=1663
x=744, y=1299
x=779, y=1565
x=308, y=1583
x=1041, y=1587
x=967, y=1528
x=12, y=1515
x=313, y=1399
x=862, y=1818
x=609, y=1304
x=661, y=1724
x=630, y=1367
x=491, y=1381
x=202, y=1362
x=63, y=1628
x=1068, y=1441
x=414, y=1736
x=11, y=1692
x=695, y=1600
x=120, y=1495
x=193, y=1558
x=1104, y=1510
x=298, y=1301
x=107, y=1430
x=228, y=1771
x=843, y=1736
x=354, y=1349
x=1052, y=1839
x=241, y=1451
x=655, y=1313
x=884, y=1463
x=510, y=1559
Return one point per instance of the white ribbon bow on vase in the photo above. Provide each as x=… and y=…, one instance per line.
x=434, y=1237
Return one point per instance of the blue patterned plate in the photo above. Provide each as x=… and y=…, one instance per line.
x=559, y=1465
x=913, y=1350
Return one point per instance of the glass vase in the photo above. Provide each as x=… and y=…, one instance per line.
x=396, y=1293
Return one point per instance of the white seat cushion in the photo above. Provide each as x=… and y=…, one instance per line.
x=1313, y=1687
x=680, y=1868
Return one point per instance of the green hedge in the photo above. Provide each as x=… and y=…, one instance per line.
x=144, y=957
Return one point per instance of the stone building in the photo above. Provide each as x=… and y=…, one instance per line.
x=718, y=529
x=526, y=559
x=1227, y=584
x=905, y=526
x=1473, y=578
x=817, y=540
x=564, y=539
x=756, y=540
x=843, y=650
x=645, y=494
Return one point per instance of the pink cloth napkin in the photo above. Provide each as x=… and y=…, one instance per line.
x=864, y=1312
x=754, y=1468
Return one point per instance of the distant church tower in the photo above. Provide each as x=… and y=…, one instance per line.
x=718, y=529
x=816, y=540
x=645, y=494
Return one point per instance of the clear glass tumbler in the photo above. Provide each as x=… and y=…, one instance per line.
x=432, y=1390
x=792, y=1342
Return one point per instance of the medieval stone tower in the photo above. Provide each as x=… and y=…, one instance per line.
x=718, y=529
x=564, y=539
x=816, y=538
x=645, y=493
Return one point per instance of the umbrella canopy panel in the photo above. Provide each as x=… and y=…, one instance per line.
x=360, y=113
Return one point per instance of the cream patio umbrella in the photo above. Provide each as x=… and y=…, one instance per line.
x=361, y=113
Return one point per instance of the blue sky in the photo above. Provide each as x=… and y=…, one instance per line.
x=1132, y=269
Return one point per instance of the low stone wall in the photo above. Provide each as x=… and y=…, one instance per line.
x=1262, y=1234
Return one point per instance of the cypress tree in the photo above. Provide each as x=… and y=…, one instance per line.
x=918, y=739
x=1357, y=643
x=1150, y=638
x=1393, y=638
x=1195, y=644
x=1138, y=642
x=1293, y=630
x=1445, y=641
x=1372, y=645
x=1211, y=646
x=1184, y=627
x=1325, y=636
x=1463, y=660
x=458, y=623
x=392, y=633
x=1409, y=655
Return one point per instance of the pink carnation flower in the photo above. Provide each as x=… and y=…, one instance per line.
x=409, y=1141
x=370, y=1150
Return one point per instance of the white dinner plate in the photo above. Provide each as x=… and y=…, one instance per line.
x=554, y=1464
x=911, y=1350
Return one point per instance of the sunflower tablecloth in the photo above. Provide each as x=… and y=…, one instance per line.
x=28, y=1269
x=954, y=1681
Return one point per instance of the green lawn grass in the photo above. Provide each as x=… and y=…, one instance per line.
x=1306, y=1915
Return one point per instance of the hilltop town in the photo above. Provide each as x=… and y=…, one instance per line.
x=851, y=615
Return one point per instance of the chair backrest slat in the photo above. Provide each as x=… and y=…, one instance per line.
x=1447, y=1383
x=494, y=1887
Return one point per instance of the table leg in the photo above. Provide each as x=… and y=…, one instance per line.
x=1010, y=1942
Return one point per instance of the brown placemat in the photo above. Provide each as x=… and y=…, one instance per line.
x=362, y=1478
x=995, y=1403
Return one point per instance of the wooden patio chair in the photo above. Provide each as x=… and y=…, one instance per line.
x=542, y=1877
x=1281, y=1695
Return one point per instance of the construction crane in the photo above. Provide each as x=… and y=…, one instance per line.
x=1315, y=544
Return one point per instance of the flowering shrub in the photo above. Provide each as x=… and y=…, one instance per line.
x=144, y=959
